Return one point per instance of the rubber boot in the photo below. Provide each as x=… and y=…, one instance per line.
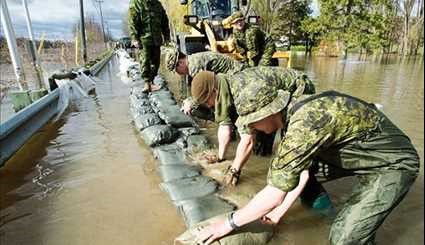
x=322, y=205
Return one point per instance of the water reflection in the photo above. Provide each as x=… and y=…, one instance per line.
x=88, y=179
x=87, y=185
x=396, y=83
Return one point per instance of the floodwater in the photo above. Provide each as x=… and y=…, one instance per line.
x=88, y=179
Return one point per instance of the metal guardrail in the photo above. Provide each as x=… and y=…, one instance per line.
x=96, y=68
x=16, y=131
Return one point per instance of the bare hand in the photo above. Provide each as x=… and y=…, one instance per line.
x=271, y=218
x=207, y=235
x=187, y=108
x=211, y=158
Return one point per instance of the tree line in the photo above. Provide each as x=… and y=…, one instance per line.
x=363, y=26
x=366, y=26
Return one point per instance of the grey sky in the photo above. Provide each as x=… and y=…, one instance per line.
x=55, y=18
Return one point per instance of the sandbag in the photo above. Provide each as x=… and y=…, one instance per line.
x=136, y=102
x=162, y=104
x=200, y=209
x=189, y=188
x=133, y=112
x=143, y=121
x=254, y=233
x=138, y=93
x=142, y=110
x=169, y=155
x=176, y=118
x=160, y=81
x=197, y=143
x=159, y=134
x=160, y=94
x=188, y=131
x=181, y=142
x=175, y=172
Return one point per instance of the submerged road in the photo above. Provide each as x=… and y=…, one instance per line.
x=89, y=179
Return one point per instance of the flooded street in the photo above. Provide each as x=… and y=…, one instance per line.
x=399, y=87
x=89, y=179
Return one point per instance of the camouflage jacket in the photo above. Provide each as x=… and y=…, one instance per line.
x=290, y=80
x=147, y=20
x=251, y=43
x=341, y=131
x=215, y=62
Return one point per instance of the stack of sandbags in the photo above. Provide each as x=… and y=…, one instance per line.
x=171, y=134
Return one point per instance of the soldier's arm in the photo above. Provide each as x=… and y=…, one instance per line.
x=253, y=36
x=238, y=48
x=134, y=20
x=305, y=136
x=293, y=158
x=243, y=150
x=274, y=216
x=296, y=82
x=289, y=81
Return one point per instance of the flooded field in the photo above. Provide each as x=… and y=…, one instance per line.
x=88, y=179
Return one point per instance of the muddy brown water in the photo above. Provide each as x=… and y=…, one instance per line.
x=89, y=179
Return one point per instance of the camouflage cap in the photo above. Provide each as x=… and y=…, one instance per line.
x=171, y=58
x=255, y=108
x=232, y=19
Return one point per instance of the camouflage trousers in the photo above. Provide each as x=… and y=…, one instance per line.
x=149, y=59
x=372, y=200
x=379, y=190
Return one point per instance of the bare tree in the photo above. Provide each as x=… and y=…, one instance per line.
x=406, y=7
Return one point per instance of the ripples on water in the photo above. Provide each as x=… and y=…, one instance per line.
x=87, y=180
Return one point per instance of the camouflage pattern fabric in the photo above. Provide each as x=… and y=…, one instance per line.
x=213, y=61
x=346, y=133
x=292, y=81
x=255, y=45
x=256, y=80
x=148, y=24
x=171, y=58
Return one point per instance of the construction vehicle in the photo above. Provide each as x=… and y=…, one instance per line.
x=207, y=31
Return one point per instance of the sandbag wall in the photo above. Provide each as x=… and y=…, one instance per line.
x=171, y=134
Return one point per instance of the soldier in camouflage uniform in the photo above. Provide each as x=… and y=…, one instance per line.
x=194, y=63
x=148, y=29
x=343, y=132
x=251, y=42
x=203, y=61
x=216, y=91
